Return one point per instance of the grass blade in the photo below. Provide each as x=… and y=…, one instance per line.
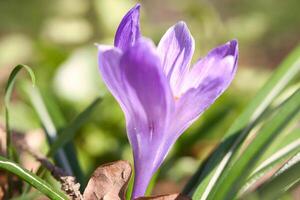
x=59, y=138
x=285, y=179
x=8, y=91
x=209, y=172
x=60, y=122
x=286, y=151
x=70, y=131
x=32, y=179
x=234, y=176
x=66, y=136
x=274, y=161
x=49, y=127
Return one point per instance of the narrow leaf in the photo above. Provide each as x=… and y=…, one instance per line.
x=32, y=179
x=234, y=176
x=287, y=177
x=209, y=172
x=282, y=154
x=70, y=131
x=8, y=91
x=60, y=122
x=286, y=145
x=12, y=78
x=49, y=127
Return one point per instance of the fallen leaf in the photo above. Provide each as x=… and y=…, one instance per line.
x=165, y=197
x=109, y=182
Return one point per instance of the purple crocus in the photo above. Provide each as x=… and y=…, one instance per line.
x=158, y=91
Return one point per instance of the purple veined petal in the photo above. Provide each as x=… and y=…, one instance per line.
x=109, y=67
x=128, y=31
x=219, y=62
x=176, y=49
x=152, y=102
x=206, y=81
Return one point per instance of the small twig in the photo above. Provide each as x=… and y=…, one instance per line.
x=68, y=183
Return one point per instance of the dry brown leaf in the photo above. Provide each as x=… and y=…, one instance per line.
x=165, y=197
x=109, y=182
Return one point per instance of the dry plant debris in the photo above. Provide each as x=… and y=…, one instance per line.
x=109, y=182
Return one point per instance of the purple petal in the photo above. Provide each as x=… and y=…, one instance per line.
x=152, y=103
x=205, y=83
x=176, y=49
x=129, y=29
x=109, y=66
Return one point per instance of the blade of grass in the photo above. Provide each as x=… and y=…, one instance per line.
x=287, y=177
x=234, y=176
x=274, y=161
x=282, y=148
x=70, y=131
x=7, y=96
x=59, y=138
x=60, y=122
x=32, y=179
x=66, y=136
x=262, y=175
x=209, y=172
x=49, y=127
x=130, y=186
x=287, y=150
x=8, y=91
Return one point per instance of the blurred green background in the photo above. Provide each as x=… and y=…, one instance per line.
x=56, y=38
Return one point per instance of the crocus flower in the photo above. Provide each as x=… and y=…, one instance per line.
x=158, y=91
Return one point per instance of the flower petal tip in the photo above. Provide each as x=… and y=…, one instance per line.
x=233, y=47
x=137, y=6
x=129, y=29
x=181, y=23
x=234, y=52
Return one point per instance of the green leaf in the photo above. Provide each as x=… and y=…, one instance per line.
x=60, y=122
x=48, y=125
x=70, y=131
x=8, y=91
x=32, y=179
x=209, y=172
x=234, y=176
x=12, y=79
x=286, y=178
x=65, y=138
x=290, y=146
